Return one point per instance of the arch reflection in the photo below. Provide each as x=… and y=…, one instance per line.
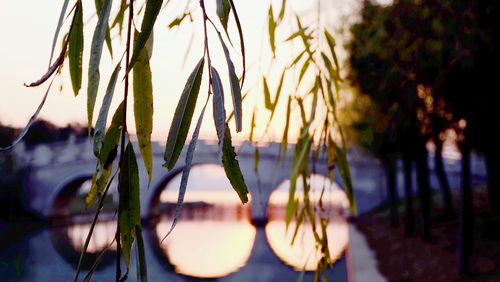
x=303, y=254
x=214, y=236
x=69, y=242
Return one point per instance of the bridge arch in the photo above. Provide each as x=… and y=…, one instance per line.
x=63, y=193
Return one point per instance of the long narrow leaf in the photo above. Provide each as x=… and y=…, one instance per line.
x=272, y=29
x=153, y=8
x=235, y=87
x=142, y=270
x=91, y=231
x=219, y=111
x=223, y=10
x=129, y=214
x=58, y=29
x=30, y=122
x=52, y=69
x=95, y=59
x=102, y=118
x=186, y=170
x=232, y=168
x=183, y=116
x=75, y=49
x=143, y=108
x=242, y=41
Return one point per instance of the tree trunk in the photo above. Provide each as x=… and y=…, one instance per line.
x=410, y=217
x=424, y=189
x=391, y=170
x=466, y=235
x=443, y=180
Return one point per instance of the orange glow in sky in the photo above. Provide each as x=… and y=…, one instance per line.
x=27, y=30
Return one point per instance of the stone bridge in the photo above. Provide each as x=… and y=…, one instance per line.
x=56, y=169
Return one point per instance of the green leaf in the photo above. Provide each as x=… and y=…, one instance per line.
x=345, y=173
x=219, y=112
x=179, y=20
x=271, y=25
x=235, y=87
x=89, y=234
x=297, y=59
x=95, y=59
x=153, y=8
x=267, y=95
x=223, y=10
x=183, y=116
x=75, y=49
x=185, y=171
x=284, y=140
x=231, y=114
x=302, y=149
x=58, y=29
x=30, y=122
x=99, y=181
x=252, y=127
x=98, y=7
x=143, y=108
x=300, y=218
x=52, y=69
x=102, y=118
x=281, y=15
x=331, y=43
x=242, y=41
x=232, y=168
x=106, y=157
x=303, y=71
x=142, y=269
x=129, y=214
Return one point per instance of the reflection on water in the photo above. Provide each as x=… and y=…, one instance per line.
x=102, y=237
x=303, y=253
x=213, y=237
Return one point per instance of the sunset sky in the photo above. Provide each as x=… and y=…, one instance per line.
x=27, y=29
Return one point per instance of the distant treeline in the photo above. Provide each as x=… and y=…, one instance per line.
x=42, y=131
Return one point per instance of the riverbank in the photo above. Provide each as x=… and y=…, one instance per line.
x=403, y=257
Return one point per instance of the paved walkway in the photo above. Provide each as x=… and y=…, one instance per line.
x=362, y=262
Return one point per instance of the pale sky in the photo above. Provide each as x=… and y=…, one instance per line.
x=27, y=29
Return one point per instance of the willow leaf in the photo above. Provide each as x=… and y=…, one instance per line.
x=345, y=173
x=242, y=41
x=267, y=95
x=91, y=231
x=183, y=116
x=58, y=29
x=30, y=122
x=252, y=127
x=223, y=10
x=142, y=269
x=52, y=69
x=232, y=168
x=99, y=181
x=185, y=171
x=281, y=15
x=75, y=49
x=271, y=25
x=331, y=43
x=100, y=125
x=284, y=140
x=153, y=8
x=231, y=114
x=235, y=87
x=95, y=59
x=98, y=7
x=129, y=214
x=303, y=71
x=302, y=149
x=219, y=111
x=143, y=108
